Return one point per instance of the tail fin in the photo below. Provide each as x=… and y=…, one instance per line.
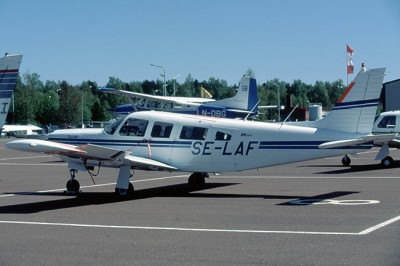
x=356, y=109
x=9, y=67
x=246, y=97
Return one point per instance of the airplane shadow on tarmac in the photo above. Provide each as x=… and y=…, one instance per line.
x=171, y=191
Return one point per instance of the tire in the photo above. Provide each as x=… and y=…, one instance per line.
x=125, y=193
x=346, y=160
x=73, y=185
x=196, y=181
x=387, y=162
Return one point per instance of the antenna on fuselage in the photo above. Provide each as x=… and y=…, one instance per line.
x=251, y=110
x=290, y=114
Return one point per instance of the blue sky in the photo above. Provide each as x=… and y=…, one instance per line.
x=78, y=40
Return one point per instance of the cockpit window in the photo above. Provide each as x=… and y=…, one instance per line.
x=110, y=129
x=134, y=127
x=388, y=122
x=161, y=130
x=222, y=136
x=197, y=133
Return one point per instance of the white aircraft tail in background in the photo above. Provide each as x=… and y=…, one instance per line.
x=9, y=67
x=154, y=140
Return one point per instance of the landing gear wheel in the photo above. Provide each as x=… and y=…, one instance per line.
x=125, y=193
x=387, y=162
x=196, y=181
x=73, y=186
x=346, y=160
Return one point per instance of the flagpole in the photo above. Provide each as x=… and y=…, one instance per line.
x=347, y=61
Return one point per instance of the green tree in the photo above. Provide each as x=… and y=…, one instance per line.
x=47, y=108
x=70, y=102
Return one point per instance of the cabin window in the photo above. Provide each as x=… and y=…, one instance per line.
x=110, y=129
x=168, y=105
x=153, y=104
x=388, y=122
x=134, y=127
x=161, y=130
x=141, y=103
x=189, y=132
x=222, y=136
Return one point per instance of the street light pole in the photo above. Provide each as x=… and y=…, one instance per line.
x=174, y=78
x=165, y=84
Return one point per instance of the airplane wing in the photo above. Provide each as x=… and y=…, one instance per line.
x=88, y=151
x=358, y=141
x=135, y=95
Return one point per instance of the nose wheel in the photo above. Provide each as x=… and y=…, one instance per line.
x=73, y=185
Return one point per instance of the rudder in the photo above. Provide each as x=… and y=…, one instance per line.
x=356, y=109
x=246, y=97
x=9, y=67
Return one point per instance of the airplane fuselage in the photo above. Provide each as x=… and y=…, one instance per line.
x=207, y=144
x=187, y=108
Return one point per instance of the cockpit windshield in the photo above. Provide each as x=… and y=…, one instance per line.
x=110, y=129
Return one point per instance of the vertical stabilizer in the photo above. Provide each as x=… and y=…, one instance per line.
x=246, y=97
x=356, y=109
x=9, y=67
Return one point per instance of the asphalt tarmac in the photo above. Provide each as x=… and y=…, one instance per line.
x=310, y=213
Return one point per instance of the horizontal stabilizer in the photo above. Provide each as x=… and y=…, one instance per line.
x=358, y=141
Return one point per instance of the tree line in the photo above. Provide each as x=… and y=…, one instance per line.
x=60, y=103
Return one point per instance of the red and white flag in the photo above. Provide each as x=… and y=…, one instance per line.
x=349, y=49
x=350, y=65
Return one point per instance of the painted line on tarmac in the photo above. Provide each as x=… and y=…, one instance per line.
x=379, y=226
x=98, y=185
x=26, y=157
x=208, y=230
x=33, y=164
x=305, y=177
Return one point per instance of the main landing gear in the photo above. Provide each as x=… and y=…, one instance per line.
x=124, y=189
x=125, y=193
x=197, y=181
x=346, y=160
x=387, y=162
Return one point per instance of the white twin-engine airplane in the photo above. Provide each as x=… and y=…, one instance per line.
x=243, y=104
x=155, y=140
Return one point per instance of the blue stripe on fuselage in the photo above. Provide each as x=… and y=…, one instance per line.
x=262, y=145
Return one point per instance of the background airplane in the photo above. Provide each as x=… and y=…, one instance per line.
x=178, y=142
x=386, y=123
x=21, y=130
x=9, y=67
x=245, y=102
